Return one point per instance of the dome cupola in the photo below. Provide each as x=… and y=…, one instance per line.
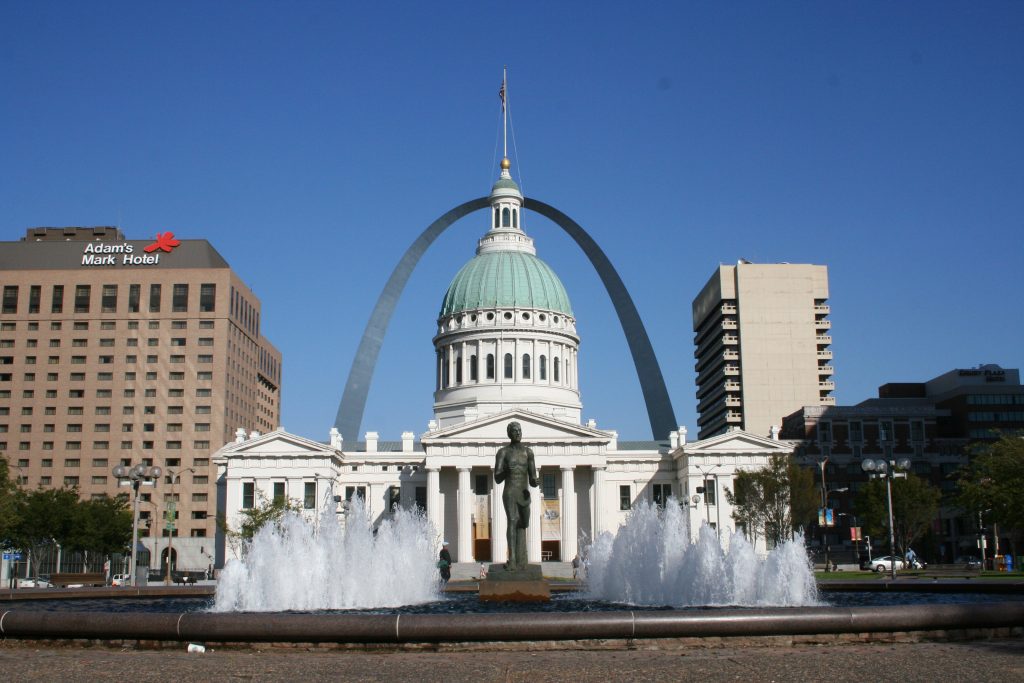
x=506, y=332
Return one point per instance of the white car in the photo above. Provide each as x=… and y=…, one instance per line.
x=119, y=580
x=884, y=564
x=34, y=582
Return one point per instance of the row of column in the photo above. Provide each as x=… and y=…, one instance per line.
x=499, y=542
x=452, y=355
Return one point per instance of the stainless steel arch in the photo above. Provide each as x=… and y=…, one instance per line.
x=652, y=383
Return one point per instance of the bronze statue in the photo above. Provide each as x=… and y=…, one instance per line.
x=514, y=465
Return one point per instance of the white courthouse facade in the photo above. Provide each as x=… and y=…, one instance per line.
x=506, y=350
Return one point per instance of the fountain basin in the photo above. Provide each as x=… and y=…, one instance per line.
x=625, y=625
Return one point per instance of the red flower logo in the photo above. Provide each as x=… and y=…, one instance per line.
x=164, y=241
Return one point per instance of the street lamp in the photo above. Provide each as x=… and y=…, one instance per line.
x=887, y=470
x=170, y=511
x=825, y=493
x=134, y=477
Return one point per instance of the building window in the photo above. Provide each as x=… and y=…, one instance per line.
x=154, y=298
x=82, y=295
x=248, y=495
x=278, y=491
x=543, y=368
x=352, y=492
x=825, y=432
x=549, y=489
x=35, y=293
x=917, y=431
x=490, y=366
x=856, y=431
x=506, y=218
x=709, y=492
x=662, y=492
x=473, y=371
x=309, y=495
x=526, y=366
x=179, y=298
x=207, y=297
x=10, y=304
x=480, y=487
x=625, y=499
x=497, y=217
x=134, y=294
x=557, y=364
x=108, y=301
x=508, y=366
x=57, y=299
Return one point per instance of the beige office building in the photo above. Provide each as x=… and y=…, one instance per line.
x=127, y=351
x=761, y=337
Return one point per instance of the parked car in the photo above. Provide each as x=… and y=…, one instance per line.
x=884, y=564
x=120, y=580
x=968, y=562
x=34, y=582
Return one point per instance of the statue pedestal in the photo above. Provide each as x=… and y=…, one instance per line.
x=524, y=585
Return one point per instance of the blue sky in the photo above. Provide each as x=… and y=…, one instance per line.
x=312, y=142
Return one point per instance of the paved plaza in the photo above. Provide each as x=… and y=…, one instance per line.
x=997, y=660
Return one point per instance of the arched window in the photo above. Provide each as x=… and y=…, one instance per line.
x=515, y=218
x=505, y=222
x=508, y=366
x=557, y=364
x=458, y=368
x=497, y=214
x=526, y=366
x=490, y=366
x=474, y=375
x=543, y=369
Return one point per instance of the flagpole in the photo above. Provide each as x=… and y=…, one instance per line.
x=504, y=110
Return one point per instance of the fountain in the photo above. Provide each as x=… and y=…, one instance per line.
x=300, y=564
x=651, y=561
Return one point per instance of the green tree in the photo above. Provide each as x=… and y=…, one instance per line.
x=774, y=501
x=10, y=505
x=266, y=511
x=915, y=505
x=45, y=516
x=102, y=525
x=994, y=482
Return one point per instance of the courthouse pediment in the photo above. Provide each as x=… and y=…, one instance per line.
x=736, y=442
x=536, y=429
x=278, y=443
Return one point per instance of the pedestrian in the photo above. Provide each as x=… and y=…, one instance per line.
x=483, y=570
x=444, y=564
x=576, y=566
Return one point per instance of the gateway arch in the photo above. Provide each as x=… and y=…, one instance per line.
x=652, y=383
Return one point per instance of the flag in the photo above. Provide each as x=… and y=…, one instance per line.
x=501, y=95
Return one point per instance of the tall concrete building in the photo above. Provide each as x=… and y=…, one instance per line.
x=761, y=337
x=116, y=351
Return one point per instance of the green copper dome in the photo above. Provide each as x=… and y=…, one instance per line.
x=506, y=279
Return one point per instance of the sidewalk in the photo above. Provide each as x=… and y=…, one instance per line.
x=1001, y=660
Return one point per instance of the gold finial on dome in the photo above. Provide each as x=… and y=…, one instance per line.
x=505, y=164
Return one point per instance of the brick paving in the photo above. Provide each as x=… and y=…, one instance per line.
x=981, y=660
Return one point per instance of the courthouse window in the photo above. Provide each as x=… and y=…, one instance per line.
x=248, y=495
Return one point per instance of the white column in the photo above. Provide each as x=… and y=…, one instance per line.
x=465, y=550
x=598, y=496
x=499, y=525
x=435, y=515
x=568, y=513
x=533, y=534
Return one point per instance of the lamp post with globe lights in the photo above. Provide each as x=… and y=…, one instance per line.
x=134, y=477
x=887, y=470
